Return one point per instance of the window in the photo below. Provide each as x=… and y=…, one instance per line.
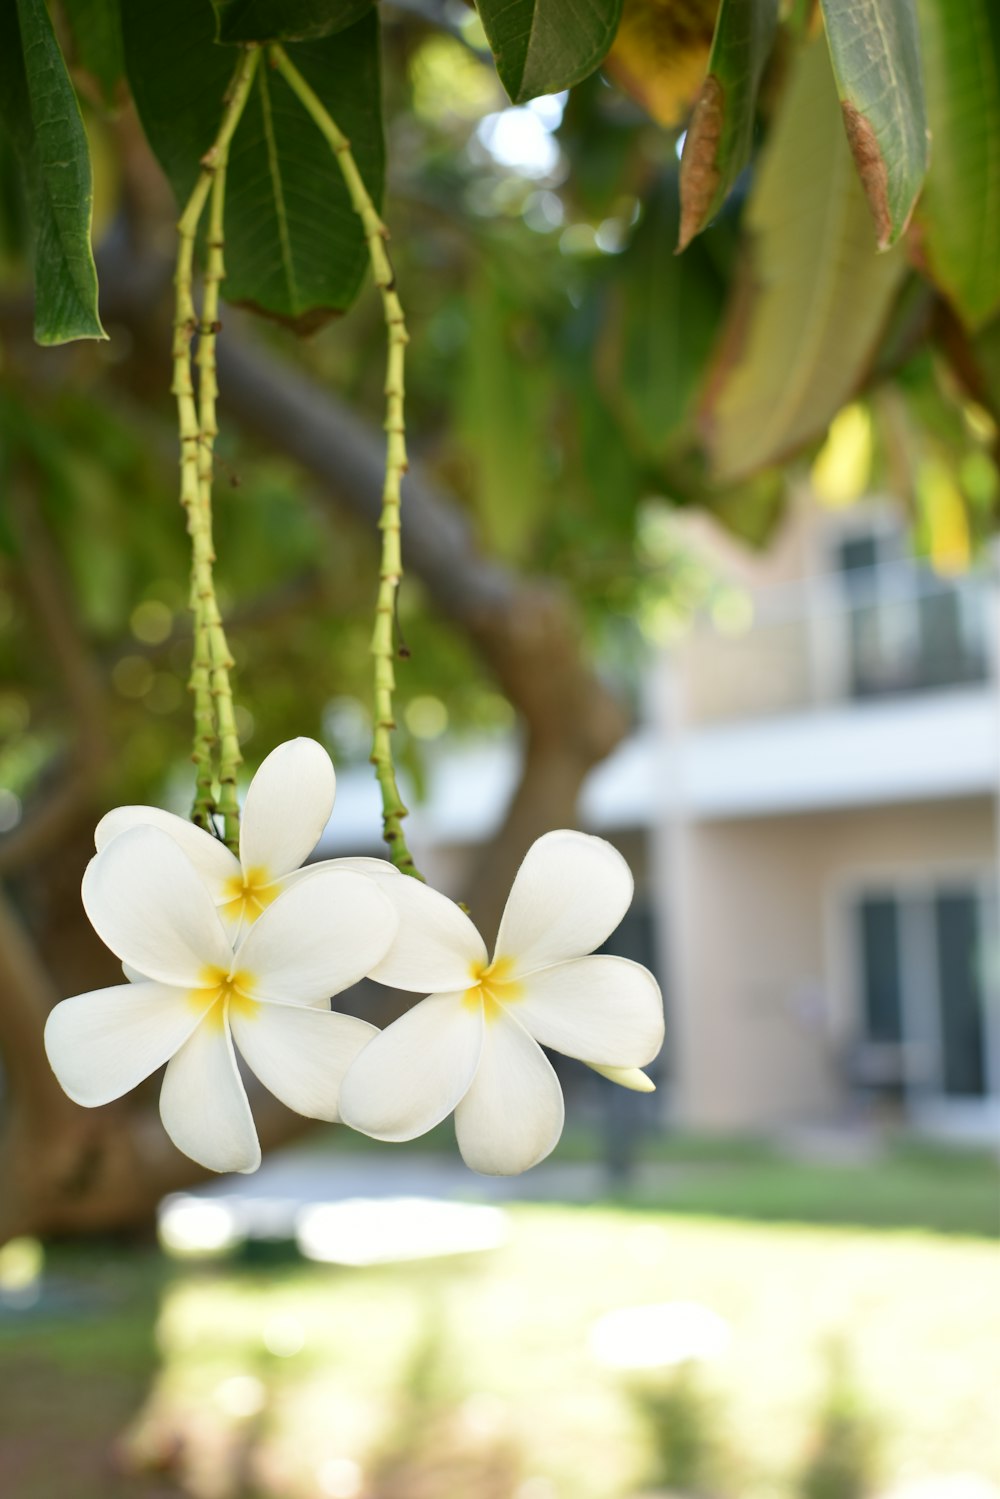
x=960, y=968
x=908, y=629
x=921, y=965
x=882, y=978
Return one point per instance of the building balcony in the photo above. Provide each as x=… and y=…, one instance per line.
x=856, y=688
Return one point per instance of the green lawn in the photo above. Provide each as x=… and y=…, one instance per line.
x=911, y=1187
x=908, y=1184
x=474, y=1378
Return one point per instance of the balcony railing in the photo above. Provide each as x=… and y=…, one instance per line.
x=835, y=638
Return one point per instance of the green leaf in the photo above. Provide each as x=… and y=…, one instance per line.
x=664, y=316
x=39, y=109
x=95, y=26
x=285, y=20
x=751, y=510
x=986, y=360
x=295, y=249
x=543, y=46
x=720, y=136
x=875, y=49
x=959, y=212
x=816, y=299
x=501, y=410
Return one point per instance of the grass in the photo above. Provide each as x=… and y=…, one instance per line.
x=474, y=1378
x=906, y=1183
x=899, y=1192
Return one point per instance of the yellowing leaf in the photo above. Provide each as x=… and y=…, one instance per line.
x=816, y=299
x=661, y=52
x=842, y=470
x=944, y=519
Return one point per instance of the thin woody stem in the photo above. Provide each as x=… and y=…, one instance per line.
x=391, y=567
x=209, y=681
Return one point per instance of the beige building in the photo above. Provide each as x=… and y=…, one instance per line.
x=811, y=812
x=827, y=860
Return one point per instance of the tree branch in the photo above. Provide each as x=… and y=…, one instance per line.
x=50, y=595
x=58, y=808
x=107, y=1167
x=53, y=815
x=26, y=997
x=526, y=632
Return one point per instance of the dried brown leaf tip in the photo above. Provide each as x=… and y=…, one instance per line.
x=872, y=170
x=700, y=175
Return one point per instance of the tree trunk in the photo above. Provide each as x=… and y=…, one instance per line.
x=68, y=1170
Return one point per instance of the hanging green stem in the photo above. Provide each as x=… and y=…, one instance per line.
x=391, y=568
x=214, y=722
x=220, y=659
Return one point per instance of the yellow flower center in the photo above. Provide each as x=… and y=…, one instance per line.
x=223, y=992
x=248, y=893
x=492, y=986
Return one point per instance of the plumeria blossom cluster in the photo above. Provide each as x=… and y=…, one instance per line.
x=225, y=954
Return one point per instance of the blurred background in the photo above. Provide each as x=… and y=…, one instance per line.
x=733, y=607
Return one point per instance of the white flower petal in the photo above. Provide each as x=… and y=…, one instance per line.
x=569, y=894
x=203, y=1103
x=512, y=1115
x=377, y=869
x=210, y=857
x=300, y=1054
x=320, y=936
x=100, y=1045
x=632, y=1078
x=147, y=903
x=436, y=946
x=412, y=1075
x=362, y=864
x=599, y=1009
x=288, y=804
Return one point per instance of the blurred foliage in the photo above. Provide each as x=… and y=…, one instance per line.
x=683, y=1423
x=571, y=381
x=298, y=1379
x=844, y=1461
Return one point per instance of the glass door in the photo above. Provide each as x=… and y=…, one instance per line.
x=961, y=975
x=926, y=975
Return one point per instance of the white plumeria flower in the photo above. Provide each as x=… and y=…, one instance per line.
x=288, y=804
x=473, y=1044
x=192, y=996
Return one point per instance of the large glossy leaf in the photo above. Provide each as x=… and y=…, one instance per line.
x=294, y=246
x=875, y=49
x=816, y=298
x=720, y=136
x=664, y=315
x=959, y=211
x=660, y=54
x=286, y=20
x=542, y=46
x=39, y=109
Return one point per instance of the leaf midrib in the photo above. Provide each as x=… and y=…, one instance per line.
x=277, y=188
